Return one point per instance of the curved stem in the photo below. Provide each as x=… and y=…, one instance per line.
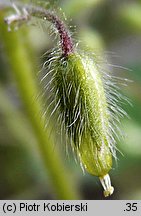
x=66, y=41
x=31, y=10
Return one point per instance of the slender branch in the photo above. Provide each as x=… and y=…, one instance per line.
x=66, y=41
x=35, y=11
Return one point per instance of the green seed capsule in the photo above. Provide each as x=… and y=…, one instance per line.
x=79, y=96
x=88, y=107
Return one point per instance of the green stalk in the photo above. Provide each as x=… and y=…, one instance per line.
x=21, y=66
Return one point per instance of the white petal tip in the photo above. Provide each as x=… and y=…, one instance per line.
x=106, y=183
x=108, y=192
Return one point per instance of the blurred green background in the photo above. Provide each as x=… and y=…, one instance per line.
x=110, y=28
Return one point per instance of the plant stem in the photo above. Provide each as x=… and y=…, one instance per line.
x=65, y=38
x=27, y=11
x=21, y=66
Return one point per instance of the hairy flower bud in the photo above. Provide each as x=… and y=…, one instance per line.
x=79, y=95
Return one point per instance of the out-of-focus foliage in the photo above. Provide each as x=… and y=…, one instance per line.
x=111, y=28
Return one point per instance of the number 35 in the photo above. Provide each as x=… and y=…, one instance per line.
x=131, y=206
